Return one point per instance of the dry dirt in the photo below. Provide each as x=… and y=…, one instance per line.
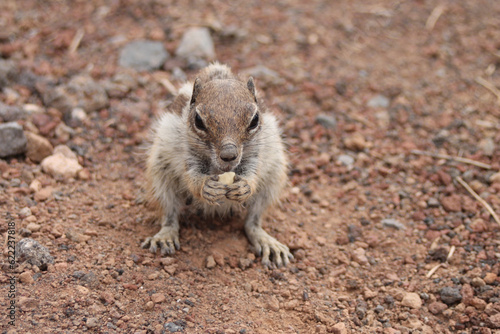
x=366, y=216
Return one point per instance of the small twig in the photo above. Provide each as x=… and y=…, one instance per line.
x=489, y=86
x=479, y=199
x=434, y=17
x=435, y=268
x=75, y=43
x=449, y=157
x=168, y=85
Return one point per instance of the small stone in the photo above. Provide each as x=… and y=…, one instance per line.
x=273, y=304
x=172, y=327
x=378, y=101
x=323, y=159
x=265, y=75
x=143, y=55
x=450, y=295
x=477, y=282
x=12, y=139
x=11, y=113
x=432, y=203
x=43, y=194
x=196, y=42
x=92, y=322
x=478, y=303
x=437, y=307
x=75, y=236
x=35, y=185
x=211, y=262
x=61, y=164
x=327, y=121
x=61, y=267
x=487, y=145
x=339, y=328
x=25, y=212
x=494, y=320
x=393, y=223
x=452, y=203
x=26, y=278
x=34, y=253
x=495, y=178
x=244, y=263
x=412, y=300
x=158, y=298
x=37, y=147
x=26, y=303
x=345, y=160
x=34, y=227
x=355, y=142
x=490, y=278
x=358, y=255
x=149, y=305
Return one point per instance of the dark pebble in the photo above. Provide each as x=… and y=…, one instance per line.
x=450, y=295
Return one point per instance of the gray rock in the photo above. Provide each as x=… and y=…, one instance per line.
x=196, y=43
x=379, y=101
x=11, y=113
x=346, y=160
x=12, y=139
x=172, y=327
x=34, y=253
x=327, y=121
x=450, y=295
x=143, y=55
x=8, y=72
x=264, y=75
x=81, y=92
x=393, y=223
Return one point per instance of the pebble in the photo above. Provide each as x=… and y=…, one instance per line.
x=339, y=328
x=345, y=160
x=489, y=278
x=452, y=203
x=450, y=295
x=196, y=42
x=487, y=145
x=412, y=300
x=355, y=142
x=26, y=278
x=26, y=303
x=12, y=138
x=264, y=75
x=75, y=236
x=34, y=253
x=80, y=92
x=378, y=101
x=495, y=178
x=437, y=307
x=273, y=304
x=92, y=322
x=158, y=298
x=211, y=262
x=37, y=147
x=172, y=327
x=494, y=320
x=477, y=282
x=358, y=255
x=327, y=121
x=25, y=212
x=34, y=227
x=43, y=194
x=432, y=203
x=63, y=163
x=393, y=223
x=10, y=113
x=143, y=55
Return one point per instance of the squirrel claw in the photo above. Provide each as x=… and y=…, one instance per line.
x=166, y=240
x=273, y=252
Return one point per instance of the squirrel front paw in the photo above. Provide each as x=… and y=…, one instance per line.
x=167, y=239
x=213, y=191
x=239, y=191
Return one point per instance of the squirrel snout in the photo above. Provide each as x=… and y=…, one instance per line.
x=228, y=152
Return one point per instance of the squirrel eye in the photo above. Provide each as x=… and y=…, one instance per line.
x=254, y=123
x=198, y=122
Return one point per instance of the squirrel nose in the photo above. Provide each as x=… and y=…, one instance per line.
x=228, y=152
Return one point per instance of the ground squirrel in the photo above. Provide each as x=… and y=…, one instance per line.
x=213, y=126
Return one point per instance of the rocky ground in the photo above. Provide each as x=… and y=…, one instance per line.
x=391, y=113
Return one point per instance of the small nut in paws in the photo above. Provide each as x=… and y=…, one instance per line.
x=227, y=178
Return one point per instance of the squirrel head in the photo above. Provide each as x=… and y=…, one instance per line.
x=223, y=117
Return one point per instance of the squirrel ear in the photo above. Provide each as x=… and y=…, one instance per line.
x=196, y=90
x=251, y=88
